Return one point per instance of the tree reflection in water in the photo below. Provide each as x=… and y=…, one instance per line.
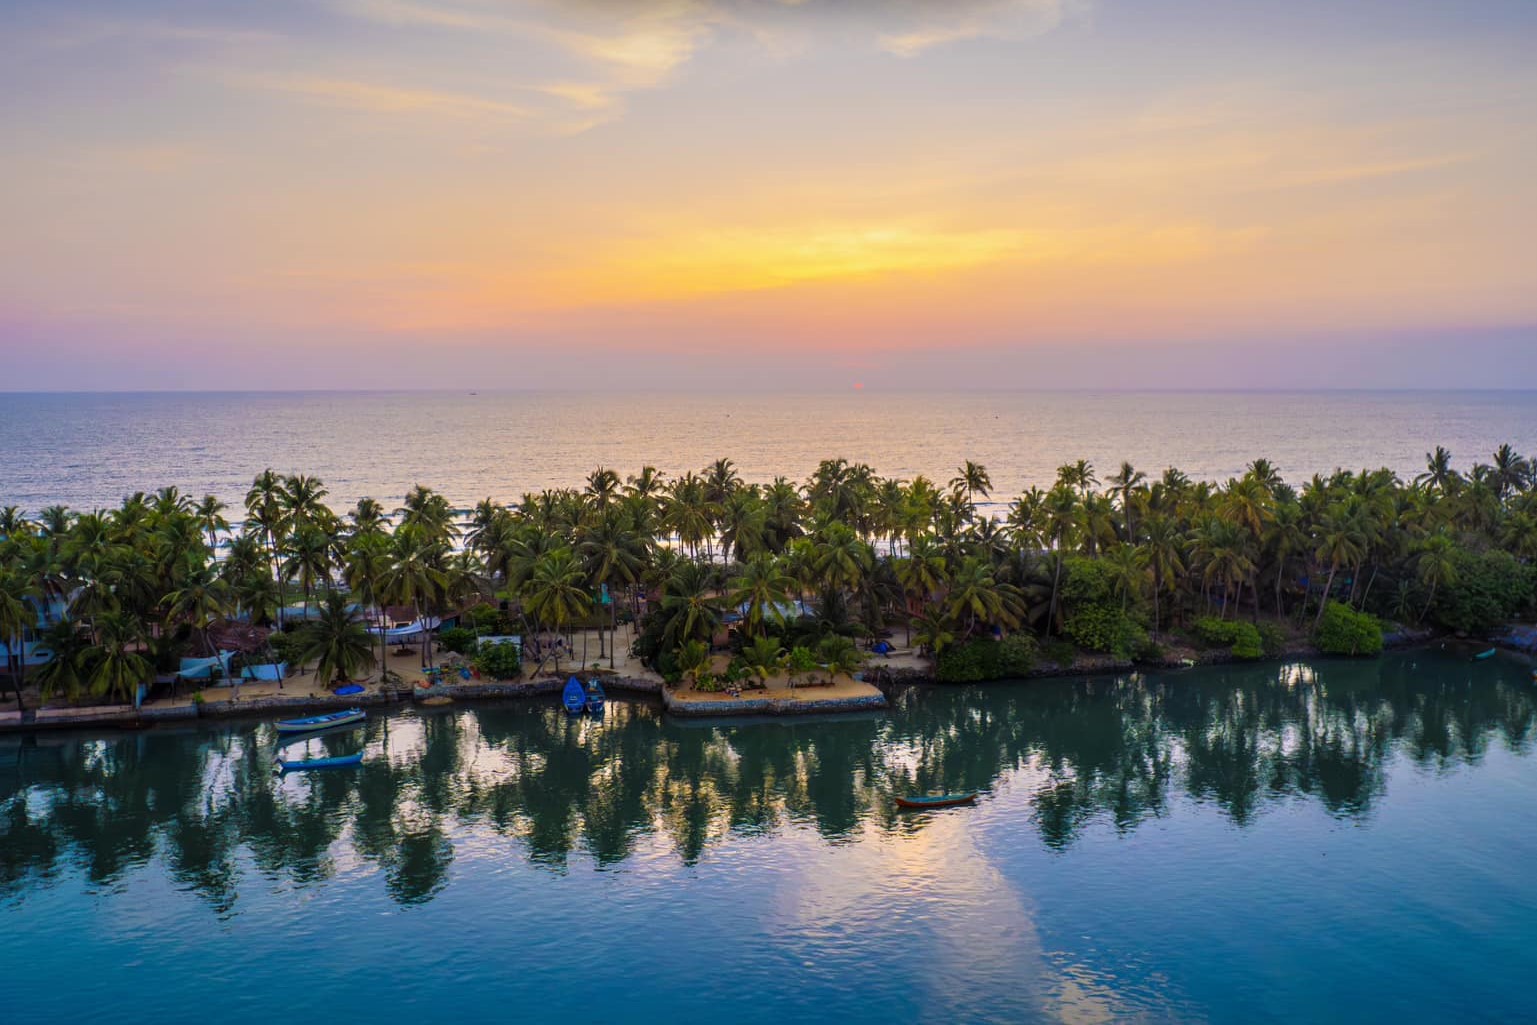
x=1118, y=750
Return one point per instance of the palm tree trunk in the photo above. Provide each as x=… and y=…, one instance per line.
x=1370, y=581
x=1323, y=601
x=1428, y=601
x=1056, y=583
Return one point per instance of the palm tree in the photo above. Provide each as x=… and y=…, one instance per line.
x=1124, y=482
x=308, y=560
x=976, y=598
x=337, y=642
x=1061, y=513
x=602, y=488
x=264, y=512
x=1439, y=475
x=1436, y=567
x=210, y=515
x=764, y=656
x=67, y=671
x=116, y=665
x=972, y=479
x=760, y=590
x=932, y=632
x=415, y=577
x=1078, y=475
x=1512, y=472
x=554, y=595
x=1164, y=544
x=203, y=600
x=693, y=660
x=16, y=619
x=689, y=605
x=1340, y=543
x=366, y=567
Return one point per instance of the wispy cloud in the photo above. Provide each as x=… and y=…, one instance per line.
x=941, y=23
x=383, y=99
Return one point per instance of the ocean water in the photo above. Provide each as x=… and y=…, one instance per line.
x=91, y=450
x=1343, y=842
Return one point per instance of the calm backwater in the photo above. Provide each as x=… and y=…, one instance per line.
x=1340, y=841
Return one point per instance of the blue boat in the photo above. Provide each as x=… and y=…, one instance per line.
x=1485, y=654
x=321, y=722
x=936, y=800
x=319, y=763
x=595, y=698
x=574, y=697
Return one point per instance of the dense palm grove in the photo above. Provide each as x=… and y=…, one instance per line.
x=1125, y=565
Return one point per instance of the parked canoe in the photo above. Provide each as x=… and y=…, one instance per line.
x=574, y=697
x=936, y=800
x=595, y=697
x=1485, y=654
x=307, y=764
x=321, y=722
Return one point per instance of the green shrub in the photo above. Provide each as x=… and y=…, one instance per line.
x=986, y=659
x=1060, y=652
x=488, y=619
x=499, y=661
x=286, y=645
x=961, y=663
x=1016, y=656
x=1241, y=637
x=1344, y=631
x=457, y=639
x=1490, y=590
x=1105, y=628
x=1272, y=639
x=802, y=660
x=709, y=683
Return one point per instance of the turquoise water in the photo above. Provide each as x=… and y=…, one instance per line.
x=1350, y=842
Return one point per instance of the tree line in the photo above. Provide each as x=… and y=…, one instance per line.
x=1122, y=564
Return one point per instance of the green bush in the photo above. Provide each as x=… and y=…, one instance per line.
x=1060, y=652
x=286, y=645
x=489, y=619
x=961, y=663
x=1344, y=631
x=457, y=639
x=1272, y=639
x=1105, y=628
x=499, y=661
x=986, y=659
x=1241, y=637
x=802, y=660
x=1491, y=589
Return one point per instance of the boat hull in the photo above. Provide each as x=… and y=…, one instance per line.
x=321, y=722
x=938, y=801
x=308, y=764
x=574, y=697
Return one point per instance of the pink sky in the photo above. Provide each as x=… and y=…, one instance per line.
x=758, y=192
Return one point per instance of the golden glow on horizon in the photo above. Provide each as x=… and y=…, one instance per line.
x=899, y=176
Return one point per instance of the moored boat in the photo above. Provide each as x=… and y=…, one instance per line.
x=574, y=697
x=595, y=698
x=936, y=800
x=321, y=722
x=1485, y=654
x=305, y=765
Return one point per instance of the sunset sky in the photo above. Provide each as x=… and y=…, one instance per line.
x=767, y=193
